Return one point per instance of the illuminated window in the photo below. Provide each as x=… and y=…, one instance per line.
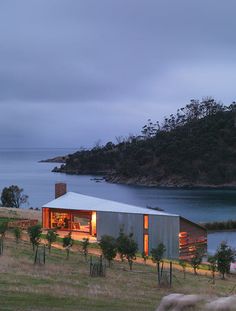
x=145, y=221
x=45, y=217
x=94, y=224
x=145, y=244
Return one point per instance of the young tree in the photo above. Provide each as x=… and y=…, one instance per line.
x=109, y=247
x=145, y=257
x=13, y=196
x=212, y=266
x=196, y=260
x=121, y=244
x=17, y=233
x=131, y=250
x=183, y=264
x=67, y=244
x=224, y=255
x=34, y=235
x=85, y=245
x=51, y=237
x=3, y=229
x=158, y=253
x=127, y=247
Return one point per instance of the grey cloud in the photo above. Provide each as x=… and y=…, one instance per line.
x=104, y=67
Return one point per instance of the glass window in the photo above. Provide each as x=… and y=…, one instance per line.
x=145, y=221
x=145, y=242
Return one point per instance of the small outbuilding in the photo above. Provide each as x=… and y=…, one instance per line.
x=95, y=217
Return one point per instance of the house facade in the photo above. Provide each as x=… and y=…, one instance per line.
x=95, y=217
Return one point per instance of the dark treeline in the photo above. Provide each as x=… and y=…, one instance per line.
x=195, y=146
x=221, y=225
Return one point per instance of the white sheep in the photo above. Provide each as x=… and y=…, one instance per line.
x=168, y=302
x=222, y=304
x=178, y=302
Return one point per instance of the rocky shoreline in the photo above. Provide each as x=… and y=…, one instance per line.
x=165, y=183
x=147, y=181
x=59, y=159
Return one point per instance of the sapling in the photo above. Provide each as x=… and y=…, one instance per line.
x=85, y=245
x=17, y=233
x=145, y=257
x=67, y=244
x=183, y=264
x=34, y=235
x=109, y=248
x=51, y=237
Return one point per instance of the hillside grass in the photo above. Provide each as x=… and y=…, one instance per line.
x=66, y=285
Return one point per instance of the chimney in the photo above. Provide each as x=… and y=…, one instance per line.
x=60, y=189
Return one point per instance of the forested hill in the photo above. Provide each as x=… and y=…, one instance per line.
x=194, y=147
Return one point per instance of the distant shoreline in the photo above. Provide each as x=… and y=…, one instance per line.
x=141, y=181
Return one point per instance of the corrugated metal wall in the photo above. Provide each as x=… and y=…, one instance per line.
x=110, y=223
x=165, y=229
x=162, y=228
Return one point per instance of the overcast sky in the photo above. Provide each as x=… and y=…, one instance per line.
x=75, y=71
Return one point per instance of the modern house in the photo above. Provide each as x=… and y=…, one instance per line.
x=95, y=217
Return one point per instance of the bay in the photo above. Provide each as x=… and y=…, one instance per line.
x=21, y=167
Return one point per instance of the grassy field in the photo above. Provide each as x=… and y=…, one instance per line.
x=66, y=285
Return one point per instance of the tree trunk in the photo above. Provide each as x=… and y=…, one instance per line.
x=130, y=264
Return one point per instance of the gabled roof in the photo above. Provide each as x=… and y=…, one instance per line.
x=76, y=201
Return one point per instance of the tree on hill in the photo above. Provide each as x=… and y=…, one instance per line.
x=195, y=146
x=13, y=196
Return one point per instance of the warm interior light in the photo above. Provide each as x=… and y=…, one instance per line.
x=145, y=242
x=94, y=224
x=145, y=222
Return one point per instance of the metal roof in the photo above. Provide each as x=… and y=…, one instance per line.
x=76, y=201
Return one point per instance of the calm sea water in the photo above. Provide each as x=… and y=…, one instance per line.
x=21, y=167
